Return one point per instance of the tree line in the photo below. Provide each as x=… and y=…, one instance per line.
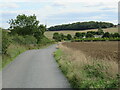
x=81, y=26
x=90, y=35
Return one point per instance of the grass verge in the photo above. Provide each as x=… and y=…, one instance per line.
x=86, y=73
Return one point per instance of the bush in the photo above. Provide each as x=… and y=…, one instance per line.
x=24, y=39
x=5, y=41
x=69, y=37
x=45, y=40
x=79, y=35
x=56, y=37
x=107, y=34
x=89, y=35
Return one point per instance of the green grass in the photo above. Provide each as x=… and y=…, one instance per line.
x=96, y=39
x=13, y=52
x=49, y=34
x=89, y=75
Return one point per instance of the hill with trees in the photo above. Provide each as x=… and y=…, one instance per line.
x=81, y=26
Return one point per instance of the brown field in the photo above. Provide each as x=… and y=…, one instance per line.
x=96, y=50
x=49, y=34
x=100, y=58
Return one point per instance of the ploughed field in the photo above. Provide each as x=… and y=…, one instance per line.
x=97, y=50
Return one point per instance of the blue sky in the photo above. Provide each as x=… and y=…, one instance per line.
x=54, y=12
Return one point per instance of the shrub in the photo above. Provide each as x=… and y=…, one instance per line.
x=24, y=39
x=56, y=37
x=106, y=34
x=69, y=37
x=5, y=41
x=89, y=35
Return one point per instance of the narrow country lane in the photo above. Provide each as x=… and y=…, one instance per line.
x=34, y=69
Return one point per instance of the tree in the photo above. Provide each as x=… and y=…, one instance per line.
x=100, y=32
x=89, y=35
x=79, y=35
x=116, y=35
x=39, y=33
x=62, y=36
x=106, y=34
x=69, y=37
x=57, y=37
x=81, y=26
x=27, y=25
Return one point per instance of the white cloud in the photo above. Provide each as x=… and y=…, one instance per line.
x=8, y=5
x=61, y=7
x=60, y=1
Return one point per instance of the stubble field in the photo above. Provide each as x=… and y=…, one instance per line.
x=89, y=64
x=96, y=50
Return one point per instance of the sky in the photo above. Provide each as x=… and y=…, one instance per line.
x=55, y=12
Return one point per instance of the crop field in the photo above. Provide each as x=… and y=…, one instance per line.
x=96, y=50
x=49, y=34
x=89, y=64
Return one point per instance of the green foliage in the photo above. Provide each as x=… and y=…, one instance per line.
x=5, y=41
x=27, y=25
x=23, y=25
x=89, y=35
x=57, y=37
x=94, y=71
x=24, y=39
x=45, y=41
x=100, y=32
x=39, y=33
x=106, y=34
x=79, y=35
x=81, y=26
x=115, y=35
x=69, y=37
x=62, y=36
x=96, y=39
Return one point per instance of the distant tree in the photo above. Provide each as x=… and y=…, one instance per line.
x=69, y=37
x=81, y=26
x=57, y=37
x=100, y=32
x=106, y=34
x=89, y=35
x=116, y=35
x=79, y=35
x=92, y=32
x=62, y=36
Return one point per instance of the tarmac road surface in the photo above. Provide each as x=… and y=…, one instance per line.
x=34, y=69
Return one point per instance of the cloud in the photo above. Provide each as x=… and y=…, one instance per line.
x=99, y=4
x=7, y=5
x=58, y=5
x=60, y=11
x=108, y=8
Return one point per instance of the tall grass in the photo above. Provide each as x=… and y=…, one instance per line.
x=85, y=72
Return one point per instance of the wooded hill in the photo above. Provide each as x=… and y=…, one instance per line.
x=81, y=26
